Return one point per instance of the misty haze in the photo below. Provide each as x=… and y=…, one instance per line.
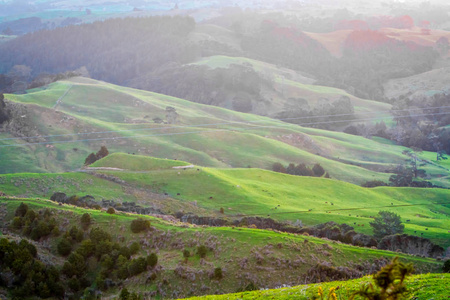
x=224, y=149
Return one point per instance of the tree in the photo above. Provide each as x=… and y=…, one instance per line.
x=386, y=223
x=446, y=266
x=139, y=225
x=278, y=167
x=64, y=247
x=90, y=159
x=21, y=210
x=124, y=294
x=3, y=114
x=318, y=170
x=413, y=160
x=85, y=220
x=152, y=260
x=103, y=152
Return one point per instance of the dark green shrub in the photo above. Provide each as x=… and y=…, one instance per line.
x=218, y=273
x=76, y=234
x=97, y=235
x=202, y=250
x=389, y=282
x=124, y=294
x=186, y=254
x=134, y=248
x=17, y=223
x=152, y=260
x=139, y=225
x=21, y=210
x=85, y=220
x=446, y=266
x=137, y=266
x=86, y=248
x=111, y=211
x=64, y=247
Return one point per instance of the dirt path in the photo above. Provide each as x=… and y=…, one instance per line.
x=58, y=102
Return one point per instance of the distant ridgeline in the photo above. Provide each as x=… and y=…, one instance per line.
x=122, y=50
x=114, y=50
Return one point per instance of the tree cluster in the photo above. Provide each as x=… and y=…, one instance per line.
x=93, y=157
x=25, y=275
x=91, y=256
x=201, y=84
x=35, y=225
x=301, y=170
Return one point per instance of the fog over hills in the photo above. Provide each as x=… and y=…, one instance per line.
x=290, y=149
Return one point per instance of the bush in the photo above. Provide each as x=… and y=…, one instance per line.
x=139, y=225
x=111, y=211
x=446, y=266
x=21, y=210
x=134, y=248
x=186, y=254
x=152, y=260
x=202, y=250
x=318, y=170
x=218, y=273
x=85, y=220
x=64, y=247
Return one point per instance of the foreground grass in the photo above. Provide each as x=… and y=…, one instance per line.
x=424, y=286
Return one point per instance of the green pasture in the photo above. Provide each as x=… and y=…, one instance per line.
x=204, y=135
x=424, y=286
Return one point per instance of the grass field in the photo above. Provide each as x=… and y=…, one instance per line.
x=245, y=192
x=426, y=286
x=228, y=248
x=94, y=113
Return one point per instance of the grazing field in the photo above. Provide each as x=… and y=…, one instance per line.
x=244, y=192
x=92, y=113
x=426, y=286
x=241, y=253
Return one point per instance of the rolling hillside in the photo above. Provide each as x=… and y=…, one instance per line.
x=290, y=86
x=162, y=185
x=241, y=253
x=70, y=119
x=334, y=41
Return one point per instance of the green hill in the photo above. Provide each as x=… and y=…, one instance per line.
x=242, y=192
x=289, y=86
x=89, y=113
x=435, y=289
x=241, y=253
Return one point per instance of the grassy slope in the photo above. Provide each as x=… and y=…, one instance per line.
x=246, y=192
x=298, y=86
x=231, y=246
x=426, y=286
x=92, y=106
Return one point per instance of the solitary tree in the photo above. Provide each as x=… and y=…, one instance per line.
x=386, y=223
x=103, y=152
